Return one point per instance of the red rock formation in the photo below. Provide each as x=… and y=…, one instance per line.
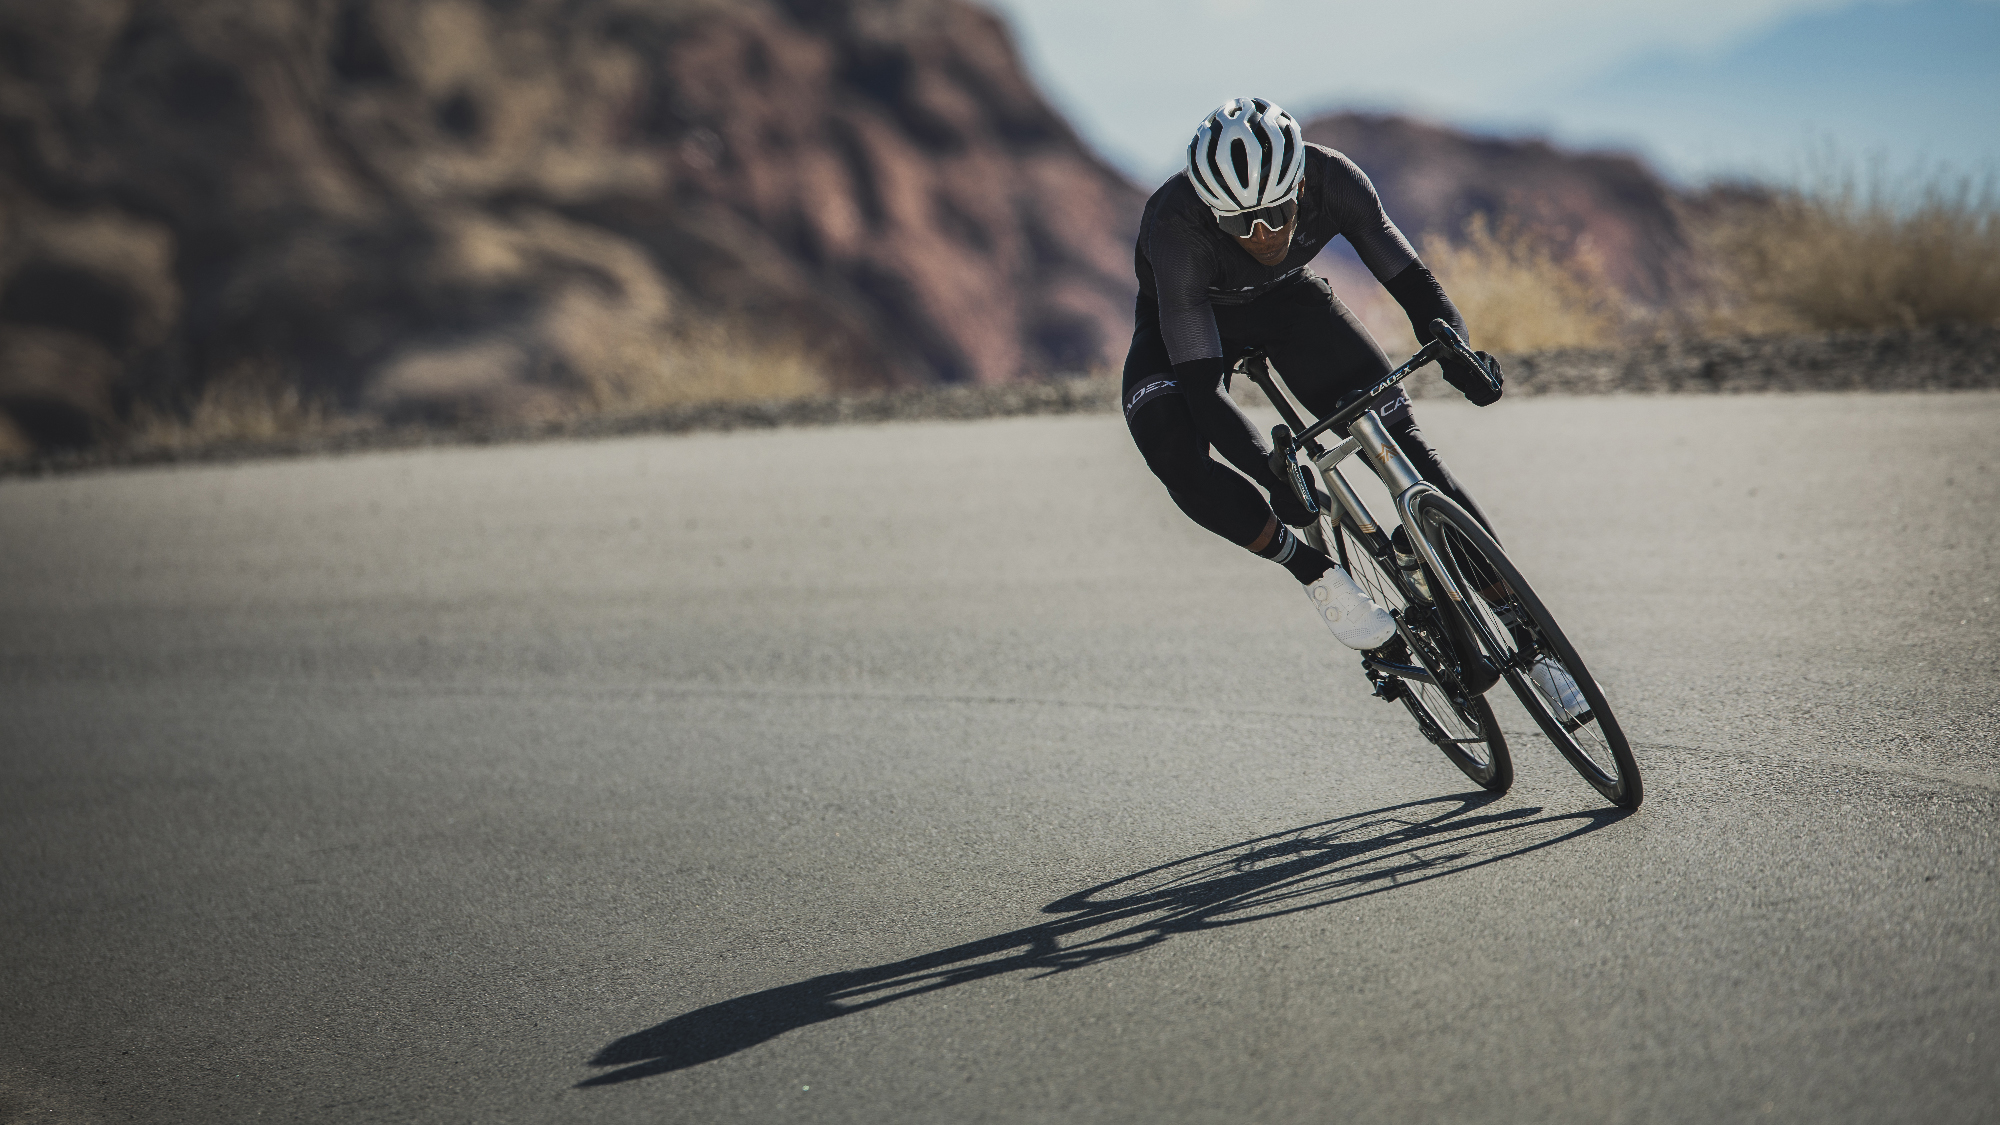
x=446, y=207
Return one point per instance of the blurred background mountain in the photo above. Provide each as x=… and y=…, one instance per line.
x=259, y=210
x=240, y=219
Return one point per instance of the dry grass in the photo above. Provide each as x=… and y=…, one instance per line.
x=249, y=404
x=1519, y=289
x=14, y=445
x=1844, y=255
x=704, y=363
x=628, y=374
x=1518, y=296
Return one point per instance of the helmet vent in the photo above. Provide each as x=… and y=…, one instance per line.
x=1246, y=154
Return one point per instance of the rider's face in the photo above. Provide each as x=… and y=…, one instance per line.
x=1270, y=246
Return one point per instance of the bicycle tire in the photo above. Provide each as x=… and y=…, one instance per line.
x=1517, y=630
x=1440, y=717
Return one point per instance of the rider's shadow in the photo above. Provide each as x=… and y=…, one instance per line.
x=1305, y=868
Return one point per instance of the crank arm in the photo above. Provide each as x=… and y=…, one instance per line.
x=1402, y=671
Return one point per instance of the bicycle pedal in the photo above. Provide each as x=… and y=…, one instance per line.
x=1388, y=689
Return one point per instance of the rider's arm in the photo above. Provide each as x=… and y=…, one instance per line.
x=1388, y=255
x=1181, y=269
x=1351, y=199
x=1423, y=300
x=1183, y=262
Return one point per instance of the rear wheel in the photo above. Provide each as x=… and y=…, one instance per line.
x=1543, y=668
x=1461, y=726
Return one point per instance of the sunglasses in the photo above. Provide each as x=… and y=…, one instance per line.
x=1275, y=216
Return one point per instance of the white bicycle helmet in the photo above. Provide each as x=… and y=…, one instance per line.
x=1247, y=155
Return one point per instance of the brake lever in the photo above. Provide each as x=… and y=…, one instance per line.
x=1285, y=467
x=1281, y=450
x=1444, y=333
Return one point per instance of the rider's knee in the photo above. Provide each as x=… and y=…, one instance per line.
x=1176, y=470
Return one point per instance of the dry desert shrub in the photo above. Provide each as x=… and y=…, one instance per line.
x=249, y=404
x=1518, y=293
x=1843, y=255
x=1520, y=289
x=623, y=373
x=701, y=363
x=14, y=445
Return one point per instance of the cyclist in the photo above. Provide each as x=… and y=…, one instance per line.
x=1223, y=262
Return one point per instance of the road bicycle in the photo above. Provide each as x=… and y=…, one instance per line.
x=1465, y=616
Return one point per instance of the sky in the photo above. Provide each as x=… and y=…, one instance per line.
x=1702, y=89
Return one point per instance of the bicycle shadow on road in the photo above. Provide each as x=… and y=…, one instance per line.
x=1305, y=868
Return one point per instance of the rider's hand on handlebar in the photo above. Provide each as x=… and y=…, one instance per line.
x=1471, y=383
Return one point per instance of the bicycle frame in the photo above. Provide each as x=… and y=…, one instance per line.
x=1448, y=616
x=1367, y=435
x=1400, y=477
x=1385, y=458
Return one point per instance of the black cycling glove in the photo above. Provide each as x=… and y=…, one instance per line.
x=1470, y=382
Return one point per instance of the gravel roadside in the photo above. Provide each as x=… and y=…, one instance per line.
x=1930, y=359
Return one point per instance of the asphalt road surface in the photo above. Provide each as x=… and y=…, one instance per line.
x=945, y=772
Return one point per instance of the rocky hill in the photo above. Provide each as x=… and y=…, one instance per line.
x=1607, y=207
x=456, y=210
x=521, y=213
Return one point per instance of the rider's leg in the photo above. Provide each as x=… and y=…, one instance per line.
x=1316, y=343
x=1231, y=432
x=1209, y=493
x=1221, y=423
x=1176, y=448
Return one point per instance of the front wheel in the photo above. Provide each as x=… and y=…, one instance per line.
x=1543, y=668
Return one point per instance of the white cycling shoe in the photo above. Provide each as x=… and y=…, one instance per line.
x=1559, y=688
x=1355, y=619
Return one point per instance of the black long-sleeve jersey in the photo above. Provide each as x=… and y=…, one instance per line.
x=1188, y=265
